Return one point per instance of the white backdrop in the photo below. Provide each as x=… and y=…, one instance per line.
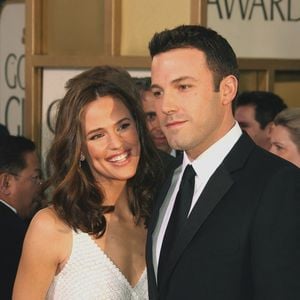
x=258, y=29
x=12, y=67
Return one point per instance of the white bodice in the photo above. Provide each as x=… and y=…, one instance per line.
x=90, y=274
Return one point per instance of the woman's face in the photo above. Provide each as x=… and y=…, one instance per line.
x=283, y=146
x=112, y=142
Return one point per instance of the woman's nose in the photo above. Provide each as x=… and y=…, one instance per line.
x=115, y=140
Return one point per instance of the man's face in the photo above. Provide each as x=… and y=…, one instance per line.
x=245, y=115
x=191, y=113
x=26, y=185
x=158, y=137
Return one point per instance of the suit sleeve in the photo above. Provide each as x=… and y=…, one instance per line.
x=276, y=238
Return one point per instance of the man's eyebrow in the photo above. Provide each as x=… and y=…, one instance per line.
x=175, y=81
x=155, y=86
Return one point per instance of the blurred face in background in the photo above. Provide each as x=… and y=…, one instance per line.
x=26, y=185
x=158, y=137
x=245, y=115
x=283, y=145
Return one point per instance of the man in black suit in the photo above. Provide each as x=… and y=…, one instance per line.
x=226, y=222
x=19, y=184
x=255, y=112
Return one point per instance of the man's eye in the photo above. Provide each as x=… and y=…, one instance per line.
x=157, y=93
x=184, y=87
x=150, y=117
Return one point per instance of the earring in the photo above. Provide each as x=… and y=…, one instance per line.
x=82, y=158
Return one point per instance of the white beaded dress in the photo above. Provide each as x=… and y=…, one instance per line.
x=90, y=274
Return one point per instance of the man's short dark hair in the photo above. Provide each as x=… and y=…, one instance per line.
x=220, y=57
x=12, y=153
x=266, y=104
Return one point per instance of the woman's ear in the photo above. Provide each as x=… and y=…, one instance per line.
x=5, y=182
x=228, y=89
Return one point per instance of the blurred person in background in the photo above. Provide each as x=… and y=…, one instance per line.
x=285, y=135
x=255, y=112
x=19, y=185
x=143, y=85
x=3, y=130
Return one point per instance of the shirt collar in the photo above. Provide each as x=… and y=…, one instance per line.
x=210, y=159
x=9, y=206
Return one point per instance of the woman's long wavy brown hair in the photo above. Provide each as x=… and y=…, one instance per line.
x=76, y=197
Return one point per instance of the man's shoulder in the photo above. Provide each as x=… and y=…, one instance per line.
x=6, y=213
x=12, y=227
x=167, y=159
x=248, y=158
x=266, y=159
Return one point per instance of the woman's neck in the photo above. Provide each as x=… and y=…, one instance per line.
x=116, y=194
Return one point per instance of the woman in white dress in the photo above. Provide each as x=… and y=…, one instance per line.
x=89, y=243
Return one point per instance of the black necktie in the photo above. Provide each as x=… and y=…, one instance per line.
x=179, y=214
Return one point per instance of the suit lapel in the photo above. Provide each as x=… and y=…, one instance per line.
x=210, y=197
x=216, y=188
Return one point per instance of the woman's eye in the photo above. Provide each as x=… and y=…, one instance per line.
x=97, y=136
x=123, y=126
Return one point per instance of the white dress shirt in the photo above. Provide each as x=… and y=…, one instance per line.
x=204, y=165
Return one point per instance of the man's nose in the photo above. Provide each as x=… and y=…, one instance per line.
x=169, y=103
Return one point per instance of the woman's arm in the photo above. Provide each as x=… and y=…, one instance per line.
x=46, y=247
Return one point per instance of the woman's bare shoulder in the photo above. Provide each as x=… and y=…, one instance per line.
x=46, y=225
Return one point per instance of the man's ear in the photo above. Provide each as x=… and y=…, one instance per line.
x=5, y=182
x=269, y=127
x=228, y=89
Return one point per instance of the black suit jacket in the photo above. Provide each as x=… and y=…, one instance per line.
x=166, y=159
x=12, y=232
x=242, y=239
